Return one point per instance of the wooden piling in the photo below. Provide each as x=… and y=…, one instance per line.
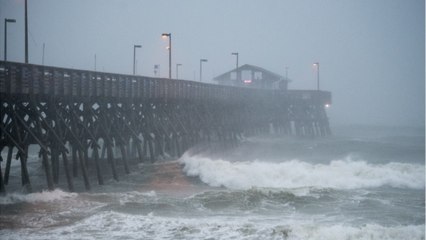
x=47, y=169
x=74, y=160
x=8, y=163
x=124, y=158
x=111, y=160
x=83, y=169
x=55, y=164
x=139, y=150
x=95, y=156
x=23, y=154
x=151, y=150
x=67, y=171
x=2, y=187
x=103, y=152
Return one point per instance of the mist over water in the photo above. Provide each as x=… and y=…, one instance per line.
x=341, y=187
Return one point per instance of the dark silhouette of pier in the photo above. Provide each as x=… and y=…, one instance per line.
x=81, y=119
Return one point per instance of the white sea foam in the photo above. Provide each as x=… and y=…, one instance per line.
x=45, y=196
x=135, y=196
x=339, y=174
x=113, y=225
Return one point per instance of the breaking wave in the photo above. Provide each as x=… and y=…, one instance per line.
x=338, y=174
x=45, y=196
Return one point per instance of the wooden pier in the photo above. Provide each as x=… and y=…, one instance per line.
x=78, y=118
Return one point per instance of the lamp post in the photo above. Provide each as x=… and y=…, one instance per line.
x=177, y=70
x=6, y=20
x=236, y=68
x=42, y=56
x=134, y=57
x=169, y=35
x=156, y=69
x=318, y=72
x=286, y=73
x=26, y=32
x=201, y=68
x=236, y=54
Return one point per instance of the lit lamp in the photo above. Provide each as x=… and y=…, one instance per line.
x=6, y=20
x=236, y=68
x=134, y=57
x=318, y=79
x=169, y=35
x=177, y=70
x=201, y=68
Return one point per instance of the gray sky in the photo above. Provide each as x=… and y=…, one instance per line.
x=371, y=52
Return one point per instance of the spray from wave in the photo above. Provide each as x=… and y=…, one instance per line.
x=338, y=174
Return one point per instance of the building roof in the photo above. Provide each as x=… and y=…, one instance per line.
x=272, y=75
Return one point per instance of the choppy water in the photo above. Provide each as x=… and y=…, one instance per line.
x=366, y=184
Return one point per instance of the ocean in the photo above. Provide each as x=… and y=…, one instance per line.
x=361, y=183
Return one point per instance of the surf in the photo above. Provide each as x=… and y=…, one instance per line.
x=338, y=174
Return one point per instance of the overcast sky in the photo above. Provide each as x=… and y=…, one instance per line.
x=371, y=52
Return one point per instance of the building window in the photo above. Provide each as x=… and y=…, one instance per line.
x=257, y=75
x=246, y=75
